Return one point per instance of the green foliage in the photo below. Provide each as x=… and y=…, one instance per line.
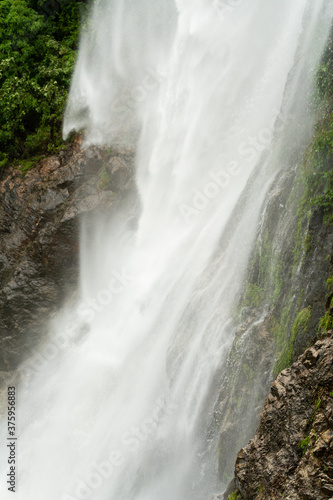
x=319, y=177
x=254, y=295
x=105, y=180
x=277, y=274
x=248, y=371
x=268, y=283
x=326, y=322
x=312, y=437
x=325, y=72
x=299, y=327
x=314, y=191
x=304, y=444
x=301, y=322
x=235, y=496
x=318, y=403
x=37, y=54
x=319, y=391
x=26, y=165
x=280, y=329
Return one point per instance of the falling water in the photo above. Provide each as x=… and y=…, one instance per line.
x=210, y=92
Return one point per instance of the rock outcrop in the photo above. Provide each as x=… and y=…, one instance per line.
x=40, y=214
x=291, y=455
x=248, y=367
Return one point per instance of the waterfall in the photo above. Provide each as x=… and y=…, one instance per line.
x=214, y=95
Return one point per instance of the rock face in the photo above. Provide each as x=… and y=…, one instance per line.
x=291, y=455
x=40, y=215
x=284, y=299
x=248, y=367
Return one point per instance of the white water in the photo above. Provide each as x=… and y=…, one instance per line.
x=137, y=391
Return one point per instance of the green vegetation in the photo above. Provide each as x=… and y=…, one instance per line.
x=319, y=171
x=105, y=180
x=313, y=190
x=326, y=322
x=38, y=40
x=325, y=73
x=248, y=371
x=235, y=496
x=320, y=180
x=314, y=184
x=254, y=295
x=304, y=444
x=299, y=327
x=318, y=403
x=311, y=438
x=268, y=283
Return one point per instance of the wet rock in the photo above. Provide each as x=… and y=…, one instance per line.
x=231, y=488
x=244, y=386
x=291, y=455
x=40, y=213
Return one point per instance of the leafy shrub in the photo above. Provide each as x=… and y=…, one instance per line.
x=320, y=155
x=235, y=496
x=38, y=40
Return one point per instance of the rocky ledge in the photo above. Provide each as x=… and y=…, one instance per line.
x=291, y=455
x=40, y=215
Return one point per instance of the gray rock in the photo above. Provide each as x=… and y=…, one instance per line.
x=40, y=214
x=291, y=455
